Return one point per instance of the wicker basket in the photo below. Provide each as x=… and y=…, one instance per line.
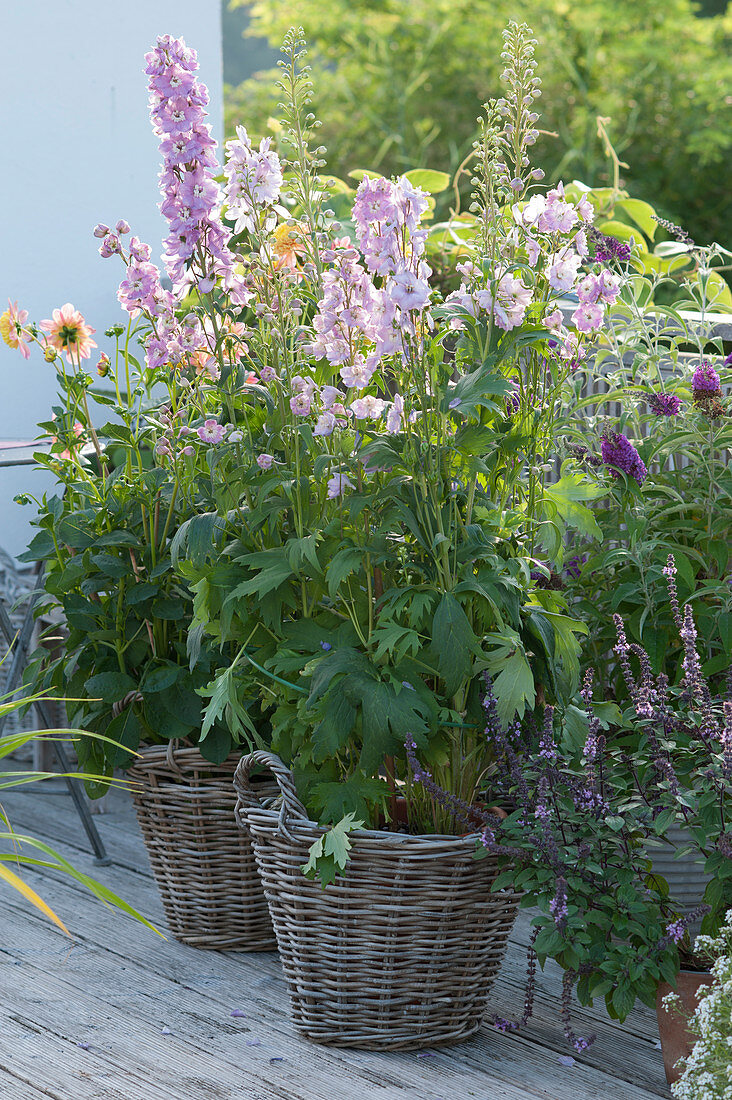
x=202, y=862
x=400, y=952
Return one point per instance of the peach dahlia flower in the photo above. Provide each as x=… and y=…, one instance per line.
x=69, y=333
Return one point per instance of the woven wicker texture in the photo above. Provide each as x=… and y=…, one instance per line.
x=202, y=862
x=400, y=952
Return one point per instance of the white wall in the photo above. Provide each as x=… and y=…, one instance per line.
x=77, y=149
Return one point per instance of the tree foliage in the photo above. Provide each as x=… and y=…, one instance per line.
x=399, y=86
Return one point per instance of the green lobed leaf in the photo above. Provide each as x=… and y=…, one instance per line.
x=453, y=641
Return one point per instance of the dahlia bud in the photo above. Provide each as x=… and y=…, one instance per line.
x=103, y=365
x=50, y=354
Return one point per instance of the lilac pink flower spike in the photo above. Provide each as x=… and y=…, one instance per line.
x=196, y=246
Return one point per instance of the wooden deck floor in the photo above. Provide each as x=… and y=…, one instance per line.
x=119, y=1014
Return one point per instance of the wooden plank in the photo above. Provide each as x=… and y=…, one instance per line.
x=63, y=1071
x=136, y=889
x=131, y=1002
x=122, y=887
x=510, y=1067
x=181, y=1070
x=544, y=1055
x=13, y=1085
x=509, y=989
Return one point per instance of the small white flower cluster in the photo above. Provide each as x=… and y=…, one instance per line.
x=708, y=1070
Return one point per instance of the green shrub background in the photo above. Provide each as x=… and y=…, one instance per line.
x=398, y=85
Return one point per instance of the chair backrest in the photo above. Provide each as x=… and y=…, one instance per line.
x=15, y=586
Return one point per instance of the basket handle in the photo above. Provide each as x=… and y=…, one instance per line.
x=170, y=757
x=291, y=804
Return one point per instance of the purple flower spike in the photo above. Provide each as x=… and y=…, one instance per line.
x=619, y=455
x=664, y=404
x=705, y=381
x=558, y=904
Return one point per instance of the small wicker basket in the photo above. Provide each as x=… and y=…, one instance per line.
x=400, y=952
x=202, y=862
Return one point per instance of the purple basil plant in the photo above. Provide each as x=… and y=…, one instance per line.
x=582, y=819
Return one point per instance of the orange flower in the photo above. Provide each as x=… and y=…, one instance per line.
x=288, y=243
x=11, y=328
x=205, y=363
x=69, y=332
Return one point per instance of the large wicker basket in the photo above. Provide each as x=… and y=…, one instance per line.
x=400, y=952
x=202, y=862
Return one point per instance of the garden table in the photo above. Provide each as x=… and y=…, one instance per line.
x=20, y=453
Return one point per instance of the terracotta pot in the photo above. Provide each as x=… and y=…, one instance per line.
x=676, y=1039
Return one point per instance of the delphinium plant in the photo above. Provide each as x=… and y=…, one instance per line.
x=586, y=808
x=393, y=487
x=662, y=430
x=349, y=474
x=125, y=487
